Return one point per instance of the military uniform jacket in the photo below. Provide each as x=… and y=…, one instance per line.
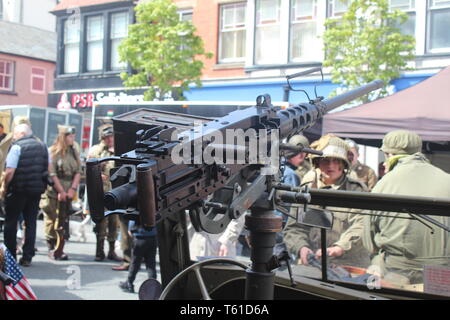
x=365, y=174
x=65, y=168
x=101, y=150
x=403, y=243
x=303, y=169
x=347, y=230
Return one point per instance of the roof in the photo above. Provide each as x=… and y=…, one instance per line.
x=423, y=108
x=65, y=4
x=22, y=40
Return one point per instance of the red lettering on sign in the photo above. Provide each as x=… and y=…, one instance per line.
x=83, y=100
x=75, y=100
x=90, y=99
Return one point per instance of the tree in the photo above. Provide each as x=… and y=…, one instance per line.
x=366, y=44
x=162, y=50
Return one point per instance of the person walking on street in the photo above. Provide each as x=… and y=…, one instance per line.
x=65, y=172
x=27, y=165
x=108, y=227
x=144, y=248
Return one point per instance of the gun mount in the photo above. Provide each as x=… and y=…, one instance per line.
x=174, y=164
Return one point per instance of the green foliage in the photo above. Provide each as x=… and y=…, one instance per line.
x=162, y=50
x=366, y=44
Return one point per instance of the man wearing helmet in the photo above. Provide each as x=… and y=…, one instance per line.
x=302, y=164
x=344, y=243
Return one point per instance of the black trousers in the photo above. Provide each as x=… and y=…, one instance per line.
x=143, y=249
x=28, y=205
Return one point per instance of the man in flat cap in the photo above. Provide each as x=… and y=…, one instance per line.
x=400, y=248
x=107, y=228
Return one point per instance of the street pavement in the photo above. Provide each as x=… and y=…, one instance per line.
x=80, y=277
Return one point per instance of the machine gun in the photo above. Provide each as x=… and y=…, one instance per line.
x=151, y=184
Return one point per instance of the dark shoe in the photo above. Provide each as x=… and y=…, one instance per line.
x=100, y=257
x=126, y=286
x=122, y=267
x=113, y=256
x=24, y=263
x=62, y=257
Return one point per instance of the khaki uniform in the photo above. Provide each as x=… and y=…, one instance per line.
x=107, y=228
x=365, y=174
x=347, y=228
x=65, y=168
x=404, y=246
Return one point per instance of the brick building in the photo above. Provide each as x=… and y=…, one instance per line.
x=27, y=64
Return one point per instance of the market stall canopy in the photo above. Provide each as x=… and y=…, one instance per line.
x=423, y=108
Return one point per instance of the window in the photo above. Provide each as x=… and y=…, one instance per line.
x=119, y=30
x=408, y=6
x=6, y=75
x=439, y=25
x=71, y=46
x=337, y=8
x=268, y=32
x=304, y=43
x=37, y=80
x=94, y=42
x=185, y=15
x=232, y=32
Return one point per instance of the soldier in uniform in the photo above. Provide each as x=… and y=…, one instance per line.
x=304, y=165
x=344, y=244
x=65, y=172
x=399, y=248
x=364, y=173
x=108, y=227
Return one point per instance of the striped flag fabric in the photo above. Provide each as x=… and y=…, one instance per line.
x=20, y=289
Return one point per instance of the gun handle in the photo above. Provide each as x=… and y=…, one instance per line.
x=94, y=187
x=146, y=195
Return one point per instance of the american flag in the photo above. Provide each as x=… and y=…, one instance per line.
x=20, y=289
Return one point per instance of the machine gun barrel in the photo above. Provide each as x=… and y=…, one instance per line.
x=302, y=116
x=339, y=100
x=369, y=201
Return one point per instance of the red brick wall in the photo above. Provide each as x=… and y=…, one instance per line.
x=22, y=81
x=206, y=20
